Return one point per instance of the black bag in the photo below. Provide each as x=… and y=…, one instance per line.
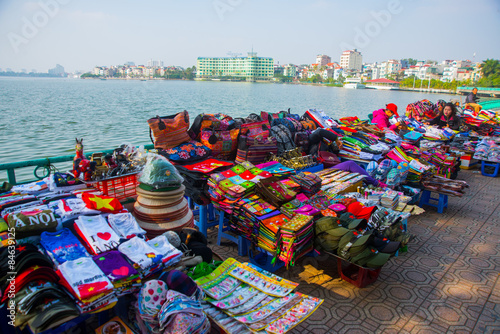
x=284, y=139
x=301, y=139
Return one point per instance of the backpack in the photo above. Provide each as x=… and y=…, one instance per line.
x=284, y=139
x=301, y=139
x=218, y=132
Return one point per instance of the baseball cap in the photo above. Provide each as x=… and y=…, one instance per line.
x=371, y=258
x=384, y=245
x=348, y=220
x=325, y=223
x=392, y=107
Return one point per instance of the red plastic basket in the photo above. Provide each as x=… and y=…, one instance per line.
x=119, y=187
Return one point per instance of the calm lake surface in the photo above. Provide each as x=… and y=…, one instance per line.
x=40, y=117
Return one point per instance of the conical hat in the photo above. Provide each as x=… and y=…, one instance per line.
x=154, y=233
x=167, y=226
x=161, y=194
x=164, y=210
x=158, y=203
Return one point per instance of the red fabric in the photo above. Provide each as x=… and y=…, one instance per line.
x=102, y=203
x=207, y=166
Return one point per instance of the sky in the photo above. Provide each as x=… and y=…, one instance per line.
x=82, y=34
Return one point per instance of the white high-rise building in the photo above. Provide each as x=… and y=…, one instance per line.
x=155, y=63
x=351, y=60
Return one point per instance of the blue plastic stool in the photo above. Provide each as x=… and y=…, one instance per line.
x=490, y=164
x=442, y=200
x=239, y=240
x=206, y=216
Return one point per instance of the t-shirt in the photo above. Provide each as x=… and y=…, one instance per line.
x=63, y=246
x=73, y=206
x=96, y=233
x=170, y=254
x=125, y=225
x=137, y=250
x=114, y=265
x=29, y=223
x=85, y=277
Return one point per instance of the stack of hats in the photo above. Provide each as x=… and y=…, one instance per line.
x=40, y=301
x=160, y=205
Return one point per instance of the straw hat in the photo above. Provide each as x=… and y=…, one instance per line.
x=176, y=225
x=161, y=194
x=165, y=210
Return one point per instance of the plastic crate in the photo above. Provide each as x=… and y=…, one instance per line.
x=119, y=187
x=356, y=275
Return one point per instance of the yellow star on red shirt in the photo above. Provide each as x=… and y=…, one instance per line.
x=102, y=202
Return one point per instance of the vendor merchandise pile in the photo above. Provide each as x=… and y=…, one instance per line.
x=160, y=205
x=243, y=298
x=75, y=252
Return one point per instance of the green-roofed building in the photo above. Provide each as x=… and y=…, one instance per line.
x=251, y=68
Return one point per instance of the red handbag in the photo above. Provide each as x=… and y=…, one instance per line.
x=328, y=159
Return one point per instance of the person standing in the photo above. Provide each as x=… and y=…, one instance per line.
x=471, y=101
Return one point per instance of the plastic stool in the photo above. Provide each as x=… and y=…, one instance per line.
x=490, y=164
x=427, y=198
x=206, y=218
x=239, y=240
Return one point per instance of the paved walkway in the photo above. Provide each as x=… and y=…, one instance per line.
x=447, y=282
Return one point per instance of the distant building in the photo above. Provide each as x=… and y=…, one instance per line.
x=251, y=67
x=405, y=63
x=290, y=70
x=130, y=63
x=58, y=70
x=279, y=70
x=351, y=60
x=323, y=60
x=155, y=63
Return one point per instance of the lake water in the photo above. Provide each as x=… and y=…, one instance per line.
x=40, y=117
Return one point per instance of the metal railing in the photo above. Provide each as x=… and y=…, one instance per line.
x=44, y=163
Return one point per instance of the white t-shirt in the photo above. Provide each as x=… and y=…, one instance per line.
x=96, y=232
x=125, y=225
x=85, y=277
x=170, y=254
x=137, y=250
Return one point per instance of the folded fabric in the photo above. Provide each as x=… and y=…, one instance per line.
x=29, y=223
x=125, y=225
x=96, y=233
x=85, y=277
x=139, y=252
x=171, y=255
x=102, y=203
x=114, y=265
x=62, y=246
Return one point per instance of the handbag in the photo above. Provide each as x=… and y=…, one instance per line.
x=222, y=143
x=169, y=131
x=255, y=130
x=257, y=152
x=328, y=159
x=275, y=192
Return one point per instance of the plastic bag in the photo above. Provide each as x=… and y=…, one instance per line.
x=160, y=173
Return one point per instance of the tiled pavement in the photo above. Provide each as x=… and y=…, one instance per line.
x=447, y=282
